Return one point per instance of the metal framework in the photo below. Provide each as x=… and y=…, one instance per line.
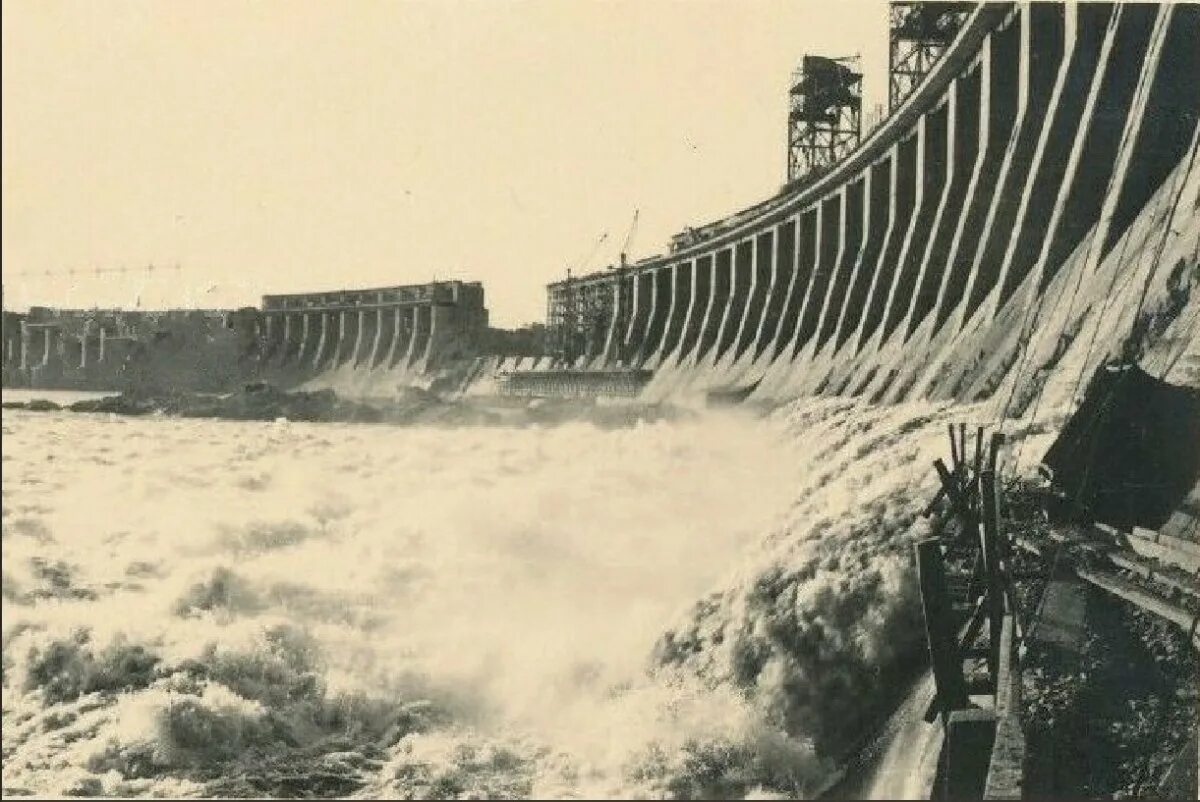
x=578, y=313
x=918, y=34
x=824, y=114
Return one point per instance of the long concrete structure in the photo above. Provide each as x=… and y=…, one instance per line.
x=92, y=348
x=291, y=340
x=1011, y=213
x=410, y=327
x=1050, y=142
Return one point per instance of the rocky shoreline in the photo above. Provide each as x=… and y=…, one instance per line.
x=264, y=402
x=1108, y=709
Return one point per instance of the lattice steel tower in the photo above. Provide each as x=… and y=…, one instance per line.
x=918, y=34
x=824, y=114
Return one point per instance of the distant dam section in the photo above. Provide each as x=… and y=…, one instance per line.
x=1029, y=206
x=110, y=349
x=392, y=336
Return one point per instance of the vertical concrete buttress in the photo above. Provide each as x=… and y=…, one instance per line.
x=1017, y=133
x=682, y=296
x=856, y=266
x=372, y=358
x=783, y=276
x=419, y=341
x=702, y=295
x=643, y=306
x=26, y=346
x=607, y=352
x=394, y=347
x=745, y=280
x=305, y=335
x=827, y=247
x=1044, y=118
x=362, y=335
x=762, y=265
x=1096, y=155
x=953, y=276
x=50, y=343
x=850, y=238
x=1129, y=136
x=928, y=272
x=664, y=310
x=324, y=337
x=718, y=313
x=882, y=219
x=790, y=315
x=933, y=171
x=918, y=188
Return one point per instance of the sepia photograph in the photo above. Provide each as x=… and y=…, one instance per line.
x=600, y=399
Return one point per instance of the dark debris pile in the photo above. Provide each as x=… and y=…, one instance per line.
x=1107, y=720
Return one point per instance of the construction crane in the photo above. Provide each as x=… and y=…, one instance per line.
x=97, y=271
x=583, y=264
x=629, y=239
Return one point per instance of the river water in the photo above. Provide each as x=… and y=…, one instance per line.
x=704, y=607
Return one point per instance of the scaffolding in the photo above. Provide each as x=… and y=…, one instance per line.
x=578, y=314
x=918, y=34
x=824, y=114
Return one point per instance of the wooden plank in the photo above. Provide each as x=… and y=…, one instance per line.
x=966, y=634
x=980, y=685
x=1028, y=546
x=953, y=492
x=1007, y=686
x=954, y=459
x=990, y=549
x=970, y=735
x=1006, y=773
x=1168, y=576
x=994, y=450
x=1167, y=549
x=1062, y=620
x=1132, y=593
x=962, y=447
x=1011, y=608
x=944, y=658
x=979, y=451
x=1184, y=523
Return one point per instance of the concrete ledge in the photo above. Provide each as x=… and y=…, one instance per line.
x=1130, y=592
x=1166, y=548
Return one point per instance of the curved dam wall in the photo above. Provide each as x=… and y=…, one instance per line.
x=1042, y=170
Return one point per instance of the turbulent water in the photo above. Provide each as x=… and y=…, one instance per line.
x=718, y=606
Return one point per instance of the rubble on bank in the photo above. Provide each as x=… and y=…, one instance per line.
x=1109, y=708
x=412, y=406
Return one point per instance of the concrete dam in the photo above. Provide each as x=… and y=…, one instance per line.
x=327, y=600
x=1038, y=175
x=1030, y=163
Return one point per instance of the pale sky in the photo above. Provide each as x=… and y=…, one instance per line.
x=291, y=145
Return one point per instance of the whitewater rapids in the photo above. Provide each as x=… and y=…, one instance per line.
x=707, y=607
